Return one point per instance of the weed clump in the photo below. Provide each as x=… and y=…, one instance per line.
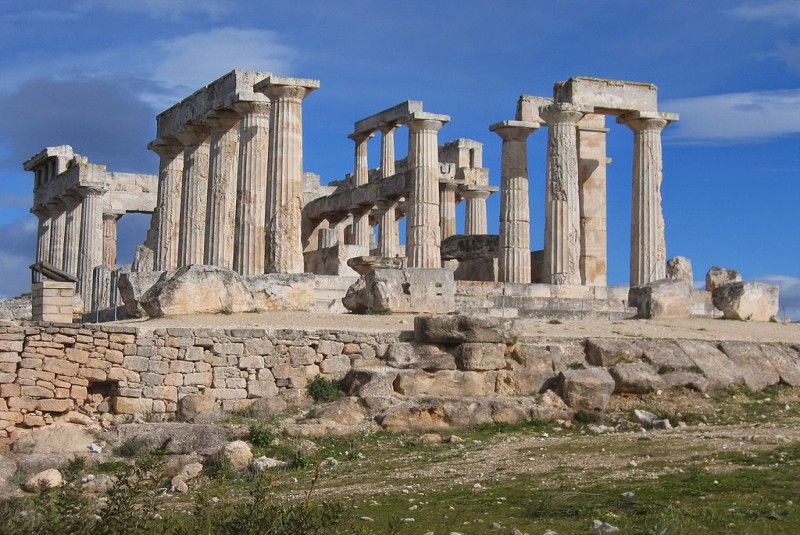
x=324, y=390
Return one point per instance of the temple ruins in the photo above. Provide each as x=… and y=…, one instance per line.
x=233, y=195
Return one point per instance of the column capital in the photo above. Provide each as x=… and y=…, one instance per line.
x=41, y=211
x=57, y=203
x=72, y=198
x=647, y=122
x=562, y=113
x=360, y=137
x=385, y=128
x=287, y=87
x=195, y=134
x=475, y=193
x=256, y=107
x=426, y=121
x=92, y=190
x=514, y=130
x=110, y=216
x=166, y=147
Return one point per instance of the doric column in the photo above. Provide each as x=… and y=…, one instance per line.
x=389, y=244
x=592, y=163
x=562, y=246
x=196, y=148
x=251, y=188
x=475, y=221
x=285, y=177
x=221, y=208
x=110, y=240
x=168, y=207
x=648, y=244
x=72, y=233
x=447, y=209
x=58, y=211
x=91, y=238
x=361, y=227
x=515, y=221
x=42, y=213
x=387, y=150
x=422, y=234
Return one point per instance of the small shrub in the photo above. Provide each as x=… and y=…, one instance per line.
x=132, y=448
x=324, y=390
x=260, y=436
x=584, y=416
x=555, y=322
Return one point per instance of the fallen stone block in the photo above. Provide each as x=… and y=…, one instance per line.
x=752, y=301
x=408, y=290
x=635, y=378
x=586, y=389
x=720, y=371
x=196, y=289
x=680, y=268
x=609, y=351
x=449, y=329
x=718, y=276
x=132, y=286
x=662, y=299
x=758, y=370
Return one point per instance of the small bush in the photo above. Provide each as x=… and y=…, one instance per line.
x=260, y=436
x=584, y=416
x=324, y=390
x=132, y=448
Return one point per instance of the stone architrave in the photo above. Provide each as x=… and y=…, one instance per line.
x=58, y=209
x=592, y=161
x=251, y=189
x=648, y=243
x=285, y=177
x=91, y=238
x=447, y=209
x=361, y=227
x=72, y=234
x=42, y=213
x=110, y=240
x=515, y=233
x=387, y=150
x=389, y=243
x=562, y=247
x=168, y=209
x=221, y=207
x=196, y=146
x=475, y=220
x=422, y=235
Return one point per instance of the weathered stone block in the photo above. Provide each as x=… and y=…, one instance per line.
x=610, y=351
x=680, y=268
x=758, y=370
x=586, y=389
x=478, y=356
x=753, y=301
x=402, y=291
x=421, y=356
x=635, y=378
x=123, y=405
x=335, y=365
x=662, y=299
x=718, y=276
x=449, y=329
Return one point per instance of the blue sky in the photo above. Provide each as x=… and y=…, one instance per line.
x=94, y=73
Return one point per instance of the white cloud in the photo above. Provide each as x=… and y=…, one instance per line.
x=735, y=117
x=160, y=9
x=783, y=12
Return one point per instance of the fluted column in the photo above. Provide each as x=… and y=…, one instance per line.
x=515, y=221
x=447, y=209
x=648, y=243
x=285, y=177
x=422, y=234
x=361, y=227
x=58, y=210
x=91, y=239
x=110, y=240
x=475, y=221
x=196, y=148
x=562, y=247
x=221, y=203
x=72, y=234
x=389, y=237
x=251, y=188
x=168, y=207
x=42, y=213
x=387, y=150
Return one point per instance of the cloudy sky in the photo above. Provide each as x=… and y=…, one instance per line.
x=94, y=73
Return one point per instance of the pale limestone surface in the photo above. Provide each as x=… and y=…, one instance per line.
x=719, y=276
x=752, y=301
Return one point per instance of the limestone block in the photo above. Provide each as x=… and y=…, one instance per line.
x=635, y=378
x=680, y=268
x=261, y=389
x=478, y=356
x=55, y=405
x=470, y=247
x=450, y=329
x=752, y=301
x=193, y=405
x=662, y=299
x=609, y=351
x=49, y=478
x=329, y=347
x=586, y=389
x=124, y=405
x=717, y=368
x=365, y=264
x=445, y=383
x=132, y=285
x=758, y=370
x=419, y=356
x=197, y=289
x=717, y=276
x=784, y=359
x=335, y=365
x=281, y=291
x=402, y=291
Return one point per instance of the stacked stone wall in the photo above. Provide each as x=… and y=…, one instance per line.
x=50, y=370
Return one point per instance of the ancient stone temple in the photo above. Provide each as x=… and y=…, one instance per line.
x=233, y=195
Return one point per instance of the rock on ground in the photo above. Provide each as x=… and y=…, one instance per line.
x=50, y=478
x=752, y=301
x=717, y=276
x=586, y=389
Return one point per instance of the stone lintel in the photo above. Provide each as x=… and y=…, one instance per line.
x=64, y=152
x=425, y=116
x=607, y=96
x=528, y=108
x=223, y=92
x=669, y=117
x=391, y=115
